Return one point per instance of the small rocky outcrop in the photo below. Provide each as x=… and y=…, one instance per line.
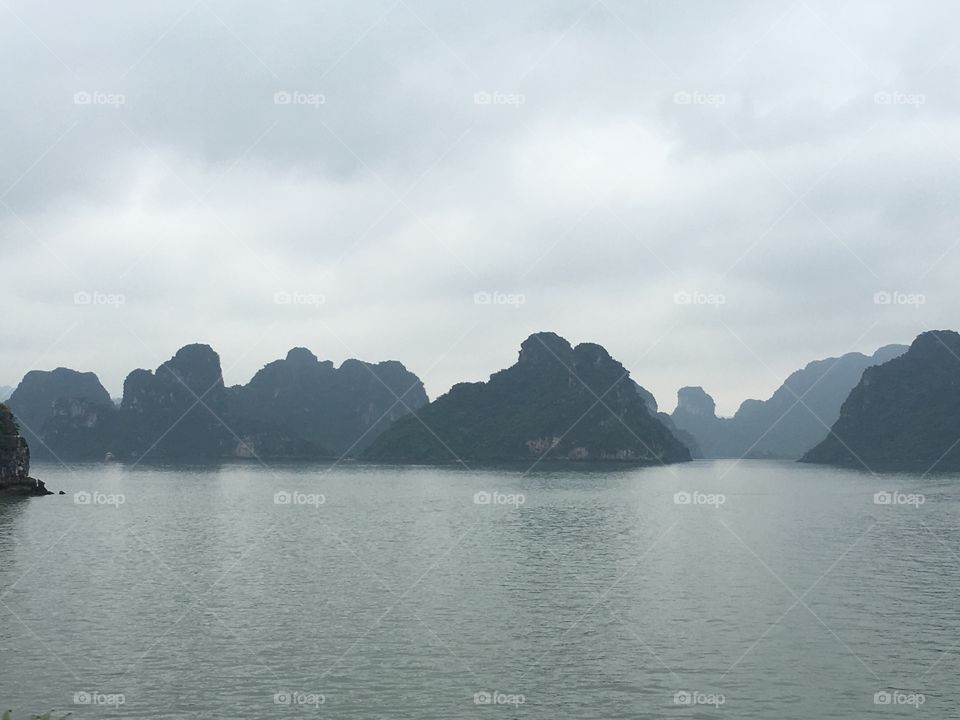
x=15, y=460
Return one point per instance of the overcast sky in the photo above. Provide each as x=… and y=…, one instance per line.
x=714, y=191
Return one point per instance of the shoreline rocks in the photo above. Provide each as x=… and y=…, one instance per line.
x=15, y=460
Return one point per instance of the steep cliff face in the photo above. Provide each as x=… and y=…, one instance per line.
x=81, y=429
x=794, y=419
x=544, y=406
x=696, y=414
x=331, y=410
x=904, y=414
x=682, y=435
x=15, y=460
x=35, y=399
x=175, y=412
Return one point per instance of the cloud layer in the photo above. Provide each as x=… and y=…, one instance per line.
x=716, y=192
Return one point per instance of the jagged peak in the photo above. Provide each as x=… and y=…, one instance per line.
x=936, y=340
x=545, y=346
x=592, y=352
x=695, y=400
x=301, y=355
x=195, y=351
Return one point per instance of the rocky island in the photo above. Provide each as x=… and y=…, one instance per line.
x=15, y=460
x=557, y=402
x=903, y=415
x=296, y=407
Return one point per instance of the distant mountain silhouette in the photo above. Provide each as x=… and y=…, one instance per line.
x=794, y=419
x=904, y=414
x=342, y=409
x=5, y=392
x=557, y=402
x=297, y=407
x=696, y=414
x=34, y=400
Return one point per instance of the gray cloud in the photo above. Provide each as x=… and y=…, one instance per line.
x=794, y=158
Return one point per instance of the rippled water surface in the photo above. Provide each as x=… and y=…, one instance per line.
x=399, y=596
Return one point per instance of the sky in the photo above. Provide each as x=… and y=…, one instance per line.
x=718, y=193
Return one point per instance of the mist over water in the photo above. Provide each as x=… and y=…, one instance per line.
x=768, y=589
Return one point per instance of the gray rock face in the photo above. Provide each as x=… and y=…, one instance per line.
x=297, y=407
x=35, y=397
x=904, y=415
x=695, y=402
x=543, y=407
x=80, y=429
x=15, y=460
x=696, y=415
x=176, y=411
x=331, y=410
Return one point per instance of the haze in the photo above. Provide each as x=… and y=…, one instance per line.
x=716, y=192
